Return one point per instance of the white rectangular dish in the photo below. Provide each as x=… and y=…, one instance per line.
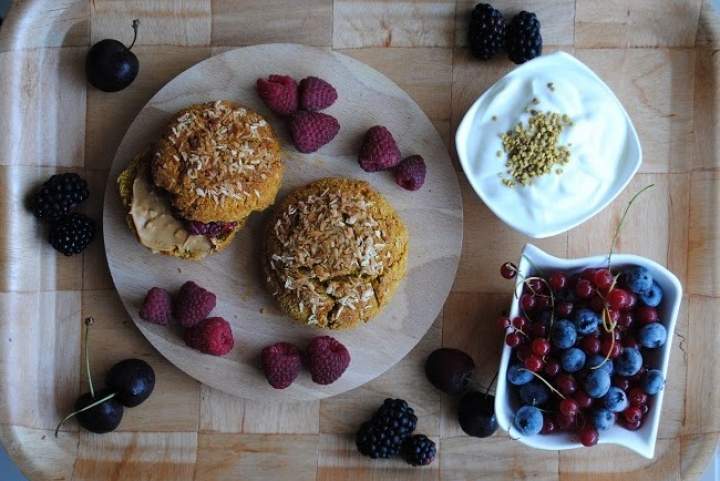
x=641, y=441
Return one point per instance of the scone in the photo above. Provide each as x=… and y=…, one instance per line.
x=334, y=253
x=157, y=226
x=219, y=162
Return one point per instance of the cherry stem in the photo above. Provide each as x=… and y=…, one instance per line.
x=88, y=322
x=609, y=326
x=487, y=390
x=543, y=380
x=135, y=25
x=622, y=221
x=75, y=413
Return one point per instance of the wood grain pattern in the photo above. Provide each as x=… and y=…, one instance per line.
x=659, y=56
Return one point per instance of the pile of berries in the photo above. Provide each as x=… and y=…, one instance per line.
x=191, y=308
x=582, y=350
x=326, y=358
x=390, y=432
x=488, y=34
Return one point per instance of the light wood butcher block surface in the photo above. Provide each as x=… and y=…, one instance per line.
x=660, y=57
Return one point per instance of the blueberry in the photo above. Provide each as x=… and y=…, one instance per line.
x=652, y=335
x=597, y=383
x=638, y=279
x=586, y=321
x=563, y=334
x=518, y=375
x=572, y=360
x=597, y=360
x=629, y=362
x=528, y=420
x=534, y=393
x=615, y=400
x=652, y=296
x=603, y=419
x=653, y=382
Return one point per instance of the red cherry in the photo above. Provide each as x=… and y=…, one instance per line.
x=558, y=281
x=548, y=425
x=535, y=285
x=564, y=308
x=527, y=301
x=632, y=414
x=590, y=344
x=540, y=346
x=621, y=382
x=512, y=339
x=631, y=426
x=519, y=322
x=583, y=289
x=625, y=320
x=503, y=322
x=630, y=342
x=603, y=279
x=588, y=436
x=637, y=397
x=533, y=363
x=508, y=270
x=618, y=299
x=568, y=407
x=566, y=384
x=633, y=301
x=614, y=315
x=587, y=274
x=607, y=347
x=552, y=367
x=582, y=399
x=597, y=303
x=646, y=315
x=563, y=423
x=538, y=329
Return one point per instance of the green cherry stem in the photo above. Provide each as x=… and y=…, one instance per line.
x=622, y=221
x=88, y=322
x=75, y=413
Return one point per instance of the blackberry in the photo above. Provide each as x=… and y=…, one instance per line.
x=72, y=234
x=486, y=33
x=383, y=435
x=59, y=195
x=523, y=41
x=419, y=450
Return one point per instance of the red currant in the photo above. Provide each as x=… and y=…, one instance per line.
x=538, y=329
x=625, y=320
x=519, y=322
x=603, y=279
x=508, y=270
x=582, y=399
x=583, y=289
x=533, y=363
x=597, y=303
x=527, y=302
x=646, y=315
x=618, y=299
x=535, y=285
x=513, y=339
x=540, y=346
x=558, y=281
x=568, y=407
x=637, y=397
x=503, y=322
x=632, y=414
x=564, y=308
x=563, y=423
x=608, y=347
x=621, y=382
x=631, y=426
x=523, y=352
x=590, y=344
x=552, y=367
x=614, y=315
x=542, y=302
x=548, y=425
x=588, y=436
x=587, y=274
x=566, y=384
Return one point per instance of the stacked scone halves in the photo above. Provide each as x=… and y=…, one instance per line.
x=188, y=195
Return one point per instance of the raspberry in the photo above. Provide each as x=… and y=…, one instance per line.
x=279, y=92
x=327, y=359
x=281, y=363
x=211, y=229
x=410, y=173
x=193, y=304
x=316, y=94
x=379, y=150
x=157, y=307
x=312, y=130
x=211, y=336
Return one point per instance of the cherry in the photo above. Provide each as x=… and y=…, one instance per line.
x=535, y=285
x=540, y=346
x=563, y=422
x=552, y=367
x=503, y=322
x=566, y=384
x=542, y=302
x=539, y=329
x=512, y=339
x=533, y=363
x=508, y=270
x=626, y=319
x=603, y=279
x=101, y=418
x=558, y=281
x=621, y=382
x=614, y=315
x=548, y=425
x=527, y=302
x=569, y=407
x=637, y=396
x=608, y=347
x=618, y=299
x=590, y=344
x=597, y=303
x=583, y=289
x=633, y=301
x=111, y=66
x=582, y=399
x=476, y=414
x=519, y=322
x=631, y=426
x=564, y=308
x=646, y=315
x=587, y=274
x=633, y=414
x=133, y=380
x=588, y=436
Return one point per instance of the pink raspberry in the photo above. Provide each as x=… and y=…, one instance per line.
x=312, y=130
x=211, y=336
x=327, y=359
x=279, y=92
x=379, y=150
x=157, y=307
x=410, y=173
x=193, y=304
x=316, y=94
x=281, y=363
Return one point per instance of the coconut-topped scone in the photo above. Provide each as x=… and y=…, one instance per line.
x=335, y=251
x=219, y=162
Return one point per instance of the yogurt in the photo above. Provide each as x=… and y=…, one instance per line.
x=604, y=148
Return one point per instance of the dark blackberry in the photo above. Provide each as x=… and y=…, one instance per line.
x=419, y=450
x=72, y=234
x=59, y=195
x=383, y=435
x=523, y=41
x=486, y=33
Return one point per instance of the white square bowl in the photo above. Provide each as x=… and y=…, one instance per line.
x=641, y=441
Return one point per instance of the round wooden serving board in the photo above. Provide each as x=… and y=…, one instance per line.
x=433, y=216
